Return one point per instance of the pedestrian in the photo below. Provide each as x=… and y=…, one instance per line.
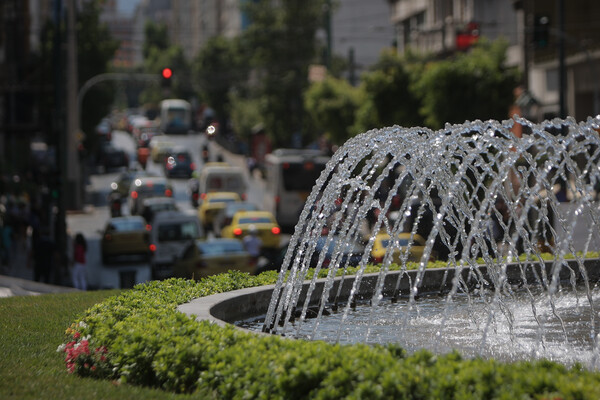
x=253, y=244
x=79, y=261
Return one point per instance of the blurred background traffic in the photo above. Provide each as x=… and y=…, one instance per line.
x=221, y=115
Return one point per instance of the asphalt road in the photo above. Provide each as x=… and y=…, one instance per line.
x=96, y=213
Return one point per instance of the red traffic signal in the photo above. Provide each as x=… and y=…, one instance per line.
x=167, y=73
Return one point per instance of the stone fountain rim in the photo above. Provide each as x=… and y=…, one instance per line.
x=226, y=308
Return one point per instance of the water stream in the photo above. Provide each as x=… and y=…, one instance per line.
x=477, y=195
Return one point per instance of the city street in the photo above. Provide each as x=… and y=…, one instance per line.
x=96, y=213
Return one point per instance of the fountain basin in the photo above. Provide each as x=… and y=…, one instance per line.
x=234, y=306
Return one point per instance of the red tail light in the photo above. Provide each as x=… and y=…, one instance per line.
x=148, y=227
x=152, y=247
x=203, y=196
x=237, y=231
x=195, y=196
x=134, y=195
x=192, y=166
x=168, y=193
x=275, y=230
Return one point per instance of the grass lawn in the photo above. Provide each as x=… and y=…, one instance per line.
x=31, y=329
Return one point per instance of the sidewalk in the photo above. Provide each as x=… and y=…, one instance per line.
x=10, y=286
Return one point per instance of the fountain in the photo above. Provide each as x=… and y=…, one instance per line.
x=513, y=217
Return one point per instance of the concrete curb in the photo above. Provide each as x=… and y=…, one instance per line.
x=227, y=308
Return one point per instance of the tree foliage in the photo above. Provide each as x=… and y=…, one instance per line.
x=218, y=69
x=159, y=54
x=282, y=41
x=390, y=99
x=473, y=85
x=332, y=104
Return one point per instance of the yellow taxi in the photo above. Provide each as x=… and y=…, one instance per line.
x=213, y=256
x=124, y=237
x=213, y=203
x=383, y=243
x=263, y=222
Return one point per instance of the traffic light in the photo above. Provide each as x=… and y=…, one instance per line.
x=166, y=74
x=541, y=31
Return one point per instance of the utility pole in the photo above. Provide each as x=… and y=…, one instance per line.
x=328, y=34
x=560, y=11
x=59, y=184
x=71, y=159
x=351, y=66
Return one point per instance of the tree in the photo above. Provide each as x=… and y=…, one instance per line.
x=332, y=104
x=473, y=85
x=95, y=49
x=282, y=43
x=218, y=69
x=159, y=54
x=389, y=96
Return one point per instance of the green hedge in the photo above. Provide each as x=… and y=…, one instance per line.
x=139, y=337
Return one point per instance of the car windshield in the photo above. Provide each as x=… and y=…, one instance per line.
x=234, y=207
x=401, y=242
x=345, y=248
x=163, y=207
x=121, y=225
x=221, y=200
x=221, y=247
x=176, y=231
x=224, y=182
x=255, y=220
x=152, y=188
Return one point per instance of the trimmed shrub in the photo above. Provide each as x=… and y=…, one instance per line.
x=144, y=340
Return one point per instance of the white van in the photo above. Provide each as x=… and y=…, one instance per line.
x=171, y=232
x=222, y=179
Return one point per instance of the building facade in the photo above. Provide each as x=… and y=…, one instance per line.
x=562, y=85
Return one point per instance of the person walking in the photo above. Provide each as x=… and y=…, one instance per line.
x=253, y=244
x=79, y=262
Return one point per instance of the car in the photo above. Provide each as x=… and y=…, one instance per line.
x=212, y=204
x=194, y=182
x=340, y=249
x=273, y=260
x=263, y=221
x=171, y=232
x=218, y=178
x=125, y=236
x=213, y=256
x=179, y=163
x=153, y=205
x=104, y=130
x=383, y=243
x=225, y=215
x=110, y=157
x=145, y=187
x=145, y=135
x=122, y=184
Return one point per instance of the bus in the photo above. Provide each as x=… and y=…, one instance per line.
x=290, y=177
x=175, y=116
